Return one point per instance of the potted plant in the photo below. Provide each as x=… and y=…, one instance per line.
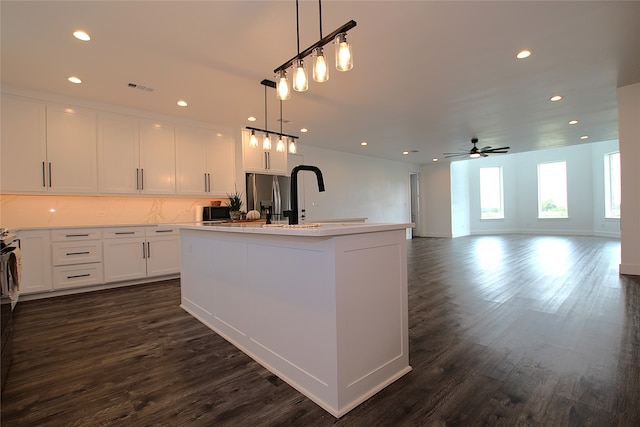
x=235, y=204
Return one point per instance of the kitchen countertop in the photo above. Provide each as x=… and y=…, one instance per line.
x=306, y=229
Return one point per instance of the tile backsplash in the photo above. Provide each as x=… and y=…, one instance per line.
x=25, y=211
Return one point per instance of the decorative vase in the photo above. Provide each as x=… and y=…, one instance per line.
x=235, y=215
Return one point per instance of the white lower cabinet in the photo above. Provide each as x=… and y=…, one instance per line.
x=36, y=261
x=76, y=256
x=137, y=252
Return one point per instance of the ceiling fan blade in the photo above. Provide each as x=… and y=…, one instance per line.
x=493, y=150
x=497, y=152
x=484, y=154
x=488, y=147
x=447, y=155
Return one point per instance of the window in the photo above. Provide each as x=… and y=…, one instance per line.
x=612, y=185
x=552, y=190
x=491, y=193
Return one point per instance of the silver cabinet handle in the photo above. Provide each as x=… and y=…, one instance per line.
x=76, y=235
x=164, y=231
x=49, y=174
x=144, y=252
x=137, y=179
x=78, y=275
x=148, y=250
x=78, y=253
x=124, y=232
x=142, y=179
x=44, y=175
x=205, y=182
x=209, y=182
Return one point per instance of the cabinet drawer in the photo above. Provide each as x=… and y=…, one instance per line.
x=67, y=253
x=69, y=234
x=77, y=275
x=120, y=232
x=162, y=231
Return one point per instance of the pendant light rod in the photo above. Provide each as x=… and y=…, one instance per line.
x=272, y=84
x=320, y=15
x=297, y=28
x=327, y=39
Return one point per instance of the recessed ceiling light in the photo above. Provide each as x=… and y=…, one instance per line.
x=251, y=119
x=364, y=143
x=573, y=122
x=555, y=98
x=182, y=103
x=523, y=54
x=74, y=79
x=219, y=135
x=81, y=35
x=304, y=130
x=434, y=160
x=404, y=153
x=584, y=137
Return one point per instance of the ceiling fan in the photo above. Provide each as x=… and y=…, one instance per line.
x=478, y=152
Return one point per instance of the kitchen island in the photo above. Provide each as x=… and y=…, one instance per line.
x=322, y=306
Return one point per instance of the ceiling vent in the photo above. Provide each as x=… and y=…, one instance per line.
x=140, y=87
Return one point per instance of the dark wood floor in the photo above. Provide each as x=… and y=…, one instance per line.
x=504, y=331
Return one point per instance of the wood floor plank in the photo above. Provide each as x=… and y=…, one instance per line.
x=504, y=331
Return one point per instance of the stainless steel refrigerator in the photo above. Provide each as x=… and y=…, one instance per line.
x=268, y=193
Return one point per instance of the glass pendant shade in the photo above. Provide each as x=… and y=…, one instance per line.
x=344, y=54
x=320, y=69
x=300, y=80
x=280, y=144
x=283, y=92
x=292, y=146
x=253, y=142
x=266, y=143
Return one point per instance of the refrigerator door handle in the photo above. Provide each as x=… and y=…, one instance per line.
x=255, y=192
x=276, y=197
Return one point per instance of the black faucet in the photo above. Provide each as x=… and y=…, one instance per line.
x=293, y=213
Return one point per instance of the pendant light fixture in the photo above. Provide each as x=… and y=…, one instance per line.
x=300, y=82
x=253, y=142
x=283, y=138
x=320, y=69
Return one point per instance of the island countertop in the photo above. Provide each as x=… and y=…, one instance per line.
x=307, y=229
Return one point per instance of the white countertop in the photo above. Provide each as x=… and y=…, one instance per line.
x=306, y=229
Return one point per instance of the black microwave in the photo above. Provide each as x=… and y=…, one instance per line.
x=215, y=213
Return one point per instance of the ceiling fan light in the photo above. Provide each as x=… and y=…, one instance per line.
x=320, y=69
x=253, y=141
x=344, y=53
x=300, y=80
x=474, y=155
x=283, y=91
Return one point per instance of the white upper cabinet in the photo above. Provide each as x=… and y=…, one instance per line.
x=157, y=157
x=24, y=145
x=204, y=162
x=118, y=154
x=261, y=161
x=136, y=156
x=47, y=148
x=71, y=150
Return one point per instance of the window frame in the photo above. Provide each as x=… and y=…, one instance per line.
x=609, y=191
x=500, y=214
x=541, y=215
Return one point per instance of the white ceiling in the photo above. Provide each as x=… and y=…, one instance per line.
x=428, y=76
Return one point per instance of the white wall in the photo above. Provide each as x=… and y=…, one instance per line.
x=435, y=205
x=356, y=186
x=460, y=199
x=585, y=188
x=629, y=134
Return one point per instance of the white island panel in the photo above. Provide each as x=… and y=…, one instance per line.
x=324, y=310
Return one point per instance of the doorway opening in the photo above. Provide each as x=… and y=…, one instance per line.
x=414, y=179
